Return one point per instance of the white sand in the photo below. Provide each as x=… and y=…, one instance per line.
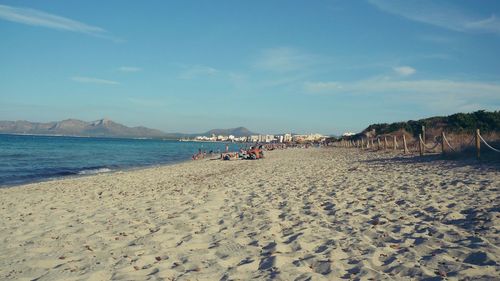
x=317, y=214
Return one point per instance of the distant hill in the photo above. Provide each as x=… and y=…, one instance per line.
x=102, y=128
x=486, y=121
x=237, y=132
x=74, y=127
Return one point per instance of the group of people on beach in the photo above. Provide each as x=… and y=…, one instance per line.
x=201, y=154
x=253, y=152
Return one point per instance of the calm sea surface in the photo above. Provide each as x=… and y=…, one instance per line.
x=32, y=158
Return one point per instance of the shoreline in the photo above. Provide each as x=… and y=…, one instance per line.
x=76, y=176
x=319, y=213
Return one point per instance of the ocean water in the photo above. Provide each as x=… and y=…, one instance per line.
x=26, y=159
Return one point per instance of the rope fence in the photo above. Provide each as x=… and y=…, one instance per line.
x=448, y=143
x=420, y=146
x=489, y=146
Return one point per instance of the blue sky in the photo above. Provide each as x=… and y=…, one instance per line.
x=271, y=66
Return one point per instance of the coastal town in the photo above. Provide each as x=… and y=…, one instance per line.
x=284, y=138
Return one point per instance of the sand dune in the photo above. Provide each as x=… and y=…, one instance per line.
x=316, y=214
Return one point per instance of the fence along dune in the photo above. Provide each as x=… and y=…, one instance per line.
x=421, y=146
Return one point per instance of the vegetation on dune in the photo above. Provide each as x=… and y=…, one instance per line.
x=486, y=121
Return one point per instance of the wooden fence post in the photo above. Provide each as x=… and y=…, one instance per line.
x=423, y=135
x=385, y=142
x=378, y=143
x=372, y=145
x=478, y=144
x=420, y=144
x=404, y=145
x=394, y=143
x=442, y=142
x=362, y=143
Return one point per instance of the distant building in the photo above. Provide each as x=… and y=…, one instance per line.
x=308, y=138
x=269, y=138
x=287, y=138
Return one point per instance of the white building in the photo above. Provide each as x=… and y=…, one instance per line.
x=348, y=134
x=287, y=138
x=308, y=138
x=269, y=138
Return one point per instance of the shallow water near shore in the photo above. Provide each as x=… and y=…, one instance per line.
x=25, y=159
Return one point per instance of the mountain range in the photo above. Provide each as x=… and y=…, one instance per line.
x=237, y=132
x=101, y=128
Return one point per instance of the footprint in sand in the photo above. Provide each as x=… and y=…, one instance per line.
x=229, y=249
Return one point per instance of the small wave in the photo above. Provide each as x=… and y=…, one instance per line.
x=94, y=171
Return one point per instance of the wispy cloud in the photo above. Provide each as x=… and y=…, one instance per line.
x=388, y=85
x=434, y=94
x=439, y=14
x=404, y=70
x=438, y=95
x=194, y=71
x=92, y=80
x=323, y=87
x=284, y=59
x=129, y=69
x=39, y=18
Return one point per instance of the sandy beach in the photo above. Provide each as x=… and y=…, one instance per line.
x=298, y=214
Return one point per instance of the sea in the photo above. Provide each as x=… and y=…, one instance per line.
x=27, y=158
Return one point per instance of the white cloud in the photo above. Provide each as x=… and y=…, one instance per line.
x=386, y=85
x=436, y=94
x=39, y=18
x=490, y=24
x=129, y=69
x=191, y=72
x=405, y=70
x=319, y=87
x=439, y=14
x=283, y=59
x=92, y=80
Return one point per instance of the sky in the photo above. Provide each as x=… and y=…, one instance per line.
x=272, y=66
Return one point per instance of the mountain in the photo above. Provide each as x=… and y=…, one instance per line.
x=102, y=128
x=74, y=127
x=237, y=132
